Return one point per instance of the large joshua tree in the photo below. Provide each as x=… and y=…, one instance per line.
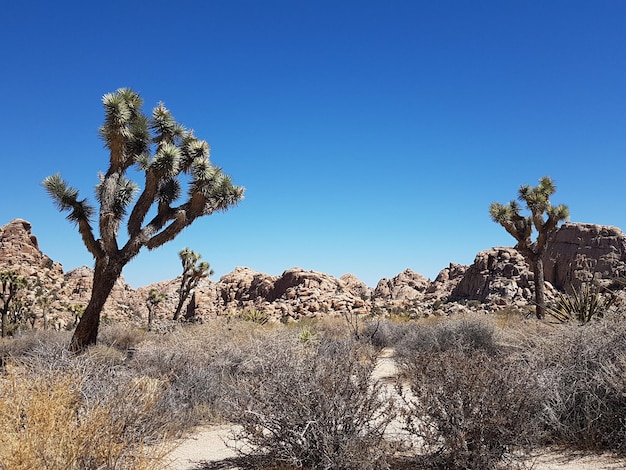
x=543, y=217
x=168, y=155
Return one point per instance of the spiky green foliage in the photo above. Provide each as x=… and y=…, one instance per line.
x=584, y=304
x=152, y=301
x=167, y=154
x=543, y=217
x=194, y=271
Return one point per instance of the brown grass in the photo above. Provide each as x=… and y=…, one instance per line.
x=48, y=425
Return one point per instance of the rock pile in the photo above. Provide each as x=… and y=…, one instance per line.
x=498, y=277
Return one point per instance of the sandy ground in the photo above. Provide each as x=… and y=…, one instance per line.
x=206, y=449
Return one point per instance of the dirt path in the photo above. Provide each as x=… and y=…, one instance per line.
x=206, y=448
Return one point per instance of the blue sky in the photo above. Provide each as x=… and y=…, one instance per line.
x=371, y=136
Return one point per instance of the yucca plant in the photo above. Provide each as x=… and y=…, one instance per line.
x=583, y=304
x=255, y=316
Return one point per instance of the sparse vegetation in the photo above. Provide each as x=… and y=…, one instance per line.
x=473, y=392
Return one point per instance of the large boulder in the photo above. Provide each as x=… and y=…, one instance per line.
x=499, y=275
x=581, y=252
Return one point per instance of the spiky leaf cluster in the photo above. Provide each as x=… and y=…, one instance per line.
x=543, y=216
x=129, y=135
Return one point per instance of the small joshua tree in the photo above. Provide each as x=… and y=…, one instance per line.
x=193, y=271
x=543, y=217
x=11, y=282
x=154, y=299
x=167, y=155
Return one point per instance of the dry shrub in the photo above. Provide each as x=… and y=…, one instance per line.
x=47, y=424
x=468, y=409
x=121, y=336
x=466, y=399
x=582, y=370
x=385, y=333
x=465, y=333
x=194, y=362
x=309, y=406
x=23, y=344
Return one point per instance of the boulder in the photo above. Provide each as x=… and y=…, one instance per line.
x=581, y=252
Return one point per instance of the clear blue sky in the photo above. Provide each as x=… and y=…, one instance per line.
x=371, y=136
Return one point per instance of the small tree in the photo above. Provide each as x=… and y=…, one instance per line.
x=11, y=282
x=543, y=217
x=193, y=271
x=165, y=152
x=154, y=299
x=44, y=299
x=77, y=311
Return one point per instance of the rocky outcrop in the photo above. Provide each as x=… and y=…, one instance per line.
x=581, y=252
x=19, y=250
x=292, y=295
x=498, y=276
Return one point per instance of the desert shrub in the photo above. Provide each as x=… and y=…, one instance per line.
x=310, y=406
x=48, y=423
x=469, y=409
x=28, y=341
x=385, y=333
x=121, y=336
x=582, y=371
x=469, y=334
x=194, y=361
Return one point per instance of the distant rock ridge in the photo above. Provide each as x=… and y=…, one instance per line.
x=497, y=278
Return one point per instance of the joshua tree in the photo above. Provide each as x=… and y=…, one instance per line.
x=11, y=282
x=154, y=299
x=44, y=299
x=77, y=311
x=193, y=271
x=165, y=153
x=543, y=217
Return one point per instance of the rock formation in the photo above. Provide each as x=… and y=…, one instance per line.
x=582, y=252
x=498, y=277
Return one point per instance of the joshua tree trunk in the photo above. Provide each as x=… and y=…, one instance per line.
x=540, y=300
x=104, y=277
x=4, y=322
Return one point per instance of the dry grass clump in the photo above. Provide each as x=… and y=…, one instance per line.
x=48, y=424
x=309, y=405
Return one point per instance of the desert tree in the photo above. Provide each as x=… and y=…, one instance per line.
x=544, y=218
x=194, y=270
x=166, y=155
x=10, y=282
x=152, y=301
